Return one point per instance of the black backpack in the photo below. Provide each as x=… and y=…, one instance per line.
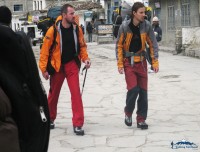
x=52, y=15
x=19, y=78
x=54, y=12
x=116, y=25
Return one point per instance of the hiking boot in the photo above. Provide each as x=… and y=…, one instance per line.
x=142, y=125
x=52, y=125
x=78, y=131
x=128, y=120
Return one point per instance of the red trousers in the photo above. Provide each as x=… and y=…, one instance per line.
x=69, y=71
x=136, y=75
x=136, y=80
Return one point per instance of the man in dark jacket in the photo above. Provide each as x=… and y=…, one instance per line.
x=8, y=128
x=157, y=29
x=21, y=126
x=89, y=31
x=83, y=28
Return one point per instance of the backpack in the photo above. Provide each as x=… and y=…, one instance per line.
x=54, y=12
x=125, y=14
x=22, y=84
x=46, y=23
x=50, y=69
x=116, y=25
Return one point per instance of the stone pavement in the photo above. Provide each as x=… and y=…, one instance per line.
x=174, y=107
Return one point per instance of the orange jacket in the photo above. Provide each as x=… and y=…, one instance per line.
x=124, y=41
x=56, y=57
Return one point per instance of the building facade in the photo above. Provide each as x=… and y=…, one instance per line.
x=176, y=16
x=30, y=11
x=179, y=20
x=23, y=10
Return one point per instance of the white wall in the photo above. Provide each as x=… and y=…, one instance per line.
x=15, y=23
x=40, y=4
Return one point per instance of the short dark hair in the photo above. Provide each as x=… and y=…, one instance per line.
x=136, y=6
x=5, y=15
x=65, y=7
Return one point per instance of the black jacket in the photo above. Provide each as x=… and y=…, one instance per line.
x=89, y=28
x=158, y=31
x=19, y=79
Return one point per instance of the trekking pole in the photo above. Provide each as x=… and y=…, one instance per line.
x=84, y=79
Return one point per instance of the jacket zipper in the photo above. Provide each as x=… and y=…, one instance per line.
x=42, y=114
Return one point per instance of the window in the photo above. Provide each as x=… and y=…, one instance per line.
x=171, y=15
x=18, y=7
x=157, y=3
x=157, y=9
x=185, y=12
x=116, y=4
x=38, y=5
x=15, y=26
x=35, y=6
x=41, y=5
x=18, y=27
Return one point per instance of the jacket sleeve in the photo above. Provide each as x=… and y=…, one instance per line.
x=44, y=52
x=159, y=35
x=153, y=45
x=83, y=46
x=119, y=47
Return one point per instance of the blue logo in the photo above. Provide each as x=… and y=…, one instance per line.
x=183, y=144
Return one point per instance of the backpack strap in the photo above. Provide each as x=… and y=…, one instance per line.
x=77, y=45
x=76, y=35
x=54, y=43
x=125, y=32
x=116, y=25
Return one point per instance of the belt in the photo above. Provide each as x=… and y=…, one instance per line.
x=132, y=54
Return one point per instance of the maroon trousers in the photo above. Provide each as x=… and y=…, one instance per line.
x=69, y=71
x=136, y=80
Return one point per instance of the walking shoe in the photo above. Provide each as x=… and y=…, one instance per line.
x=128, y=120
x=142, y=125
x=52, y=125
x=78, y=131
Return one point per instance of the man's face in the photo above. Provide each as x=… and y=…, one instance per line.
x=140, y=14
x=69, y=16
x=155, y=22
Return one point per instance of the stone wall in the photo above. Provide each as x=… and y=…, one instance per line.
x=191, y=41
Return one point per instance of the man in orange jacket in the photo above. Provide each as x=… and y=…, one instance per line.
x=69, y=51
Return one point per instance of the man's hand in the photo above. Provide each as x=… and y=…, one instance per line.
x=155, y=69
x=87, y=64
x=45, y=75
x=121, y=70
